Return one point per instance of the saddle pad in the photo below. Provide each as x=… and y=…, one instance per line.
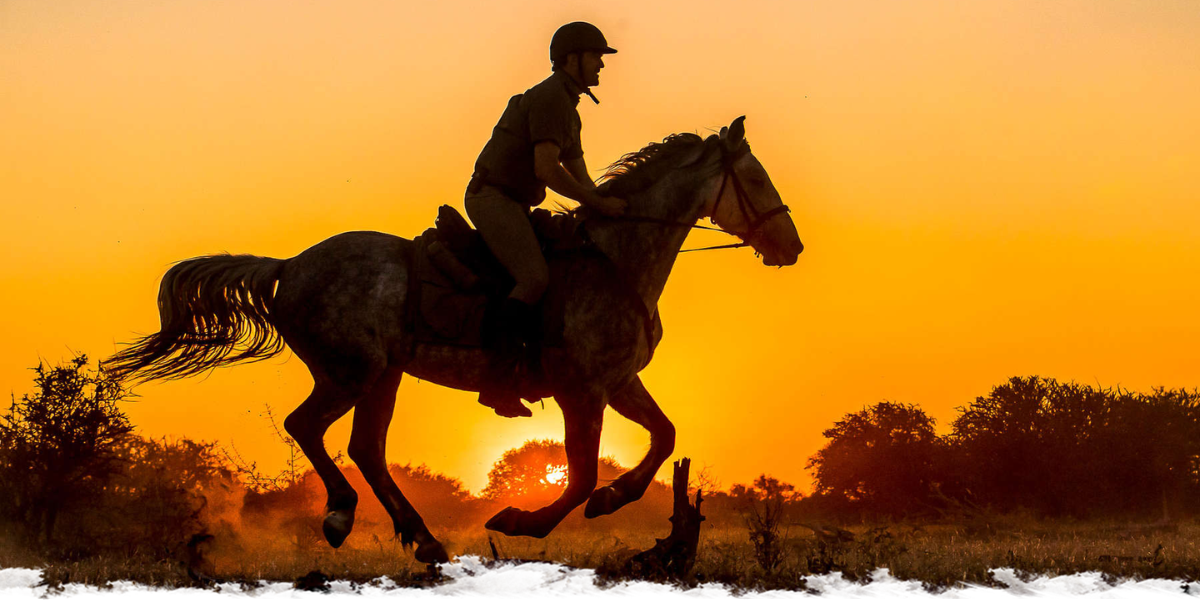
x=440, y=312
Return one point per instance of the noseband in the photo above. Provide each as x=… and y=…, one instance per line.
x=749, y=213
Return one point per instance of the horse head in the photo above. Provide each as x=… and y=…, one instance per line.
x=747, y=204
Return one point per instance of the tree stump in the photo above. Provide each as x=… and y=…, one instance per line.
x=674, y=555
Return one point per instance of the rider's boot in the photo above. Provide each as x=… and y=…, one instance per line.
x=508, y=351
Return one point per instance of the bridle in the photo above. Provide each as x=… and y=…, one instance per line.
x=749, y=213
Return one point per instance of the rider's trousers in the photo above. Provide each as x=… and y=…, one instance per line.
x=505, y=227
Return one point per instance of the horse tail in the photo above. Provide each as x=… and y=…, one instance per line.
x=215, y=311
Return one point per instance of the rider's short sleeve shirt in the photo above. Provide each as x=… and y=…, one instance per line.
x=553, y=117
x=544, y=113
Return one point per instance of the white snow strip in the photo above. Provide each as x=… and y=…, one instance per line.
x=472, y=578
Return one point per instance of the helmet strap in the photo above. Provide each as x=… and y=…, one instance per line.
x=578, y=75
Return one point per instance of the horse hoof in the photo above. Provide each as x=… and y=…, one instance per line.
x=505, y=521
x=512, y=521
x=604, y=501
x=337, y=526
x=431, y=552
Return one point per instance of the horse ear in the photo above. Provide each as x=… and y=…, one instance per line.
x=737, y=131
x=724, y=133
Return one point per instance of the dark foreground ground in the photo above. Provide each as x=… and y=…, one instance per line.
x=938, y=555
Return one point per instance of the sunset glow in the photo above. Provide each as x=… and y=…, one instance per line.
x=984, y=189
x=555, y=475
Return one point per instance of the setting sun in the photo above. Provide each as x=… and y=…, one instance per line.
x=555, y=475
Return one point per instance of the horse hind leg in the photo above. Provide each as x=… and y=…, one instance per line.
x=367, y=449
x=307, y=425
x=635, y=403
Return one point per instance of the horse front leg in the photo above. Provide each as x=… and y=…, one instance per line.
x=634, y=403
x=583, y=421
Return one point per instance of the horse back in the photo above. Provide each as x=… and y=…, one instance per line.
x=347, y=293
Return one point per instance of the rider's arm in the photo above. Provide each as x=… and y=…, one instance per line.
x=578, y=168
x=547, y=167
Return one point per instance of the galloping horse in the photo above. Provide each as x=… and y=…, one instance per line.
x=340, y=306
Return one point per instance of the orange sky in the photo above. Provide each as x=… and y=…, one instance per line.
x=985, y=189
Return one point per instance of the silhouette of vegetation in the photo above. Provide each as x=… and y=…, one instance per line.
x=294, y=466
x=59, y=446
x=883, y=459
x=187, y=513
x=1035, y=444
x=163, y=495
x=535, y=472
x=69, y=462
x=765, y=503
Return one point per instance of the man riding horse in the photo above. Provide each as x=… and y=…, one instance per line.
x=343, y=305
x=535, y=145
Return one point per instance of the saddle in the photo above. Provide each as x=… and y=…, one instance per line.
x=460, y=280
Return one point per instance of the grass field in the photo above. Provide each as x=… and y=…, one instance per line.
x=939, y=555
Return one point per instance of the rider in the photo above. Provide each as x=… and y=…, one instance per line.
x=535, y=145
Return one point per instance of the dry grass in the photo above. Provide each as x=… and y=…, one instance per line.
x=937, y=555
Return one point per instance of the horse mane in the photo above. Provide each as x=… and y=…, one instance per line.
x=639, y=170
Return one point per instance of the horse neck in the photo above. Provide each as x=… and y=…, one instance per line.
x=645, y=252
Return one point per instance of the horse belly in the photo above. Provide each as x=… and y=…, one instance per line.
x=458, y=367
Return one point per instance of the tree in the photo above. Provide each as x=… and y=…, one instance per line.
x=536, y=473
x=1031, y=443
x=1144, y=453
x=1065, y=448
x=59, y=445
x=882, y=458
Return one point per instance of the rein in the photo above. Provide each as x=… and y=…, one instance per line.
x=751, y=215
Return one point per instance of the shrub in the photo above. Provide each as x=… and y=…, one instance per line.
x=59, y=446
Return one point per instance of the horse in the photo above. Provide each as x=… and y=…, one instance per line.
x=340, y=307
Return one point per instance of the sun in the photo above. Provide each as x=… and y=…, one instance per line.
x=555, y=475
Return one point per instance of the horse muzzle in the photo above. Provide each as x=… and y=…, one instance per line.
x=783, y=258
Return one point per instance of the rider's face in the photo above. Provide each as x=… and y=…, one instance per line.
x=590, y=64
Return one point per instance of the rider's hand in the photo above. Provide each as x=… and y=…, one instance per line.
x=609, y=206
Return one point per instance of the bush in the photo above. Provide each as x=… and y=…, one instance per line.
x=883, y=458
x=164, y=495
x=59, y=446
x=69, y=462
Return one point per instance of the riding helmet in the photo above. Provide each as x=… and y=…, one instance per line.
x=578, y=37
